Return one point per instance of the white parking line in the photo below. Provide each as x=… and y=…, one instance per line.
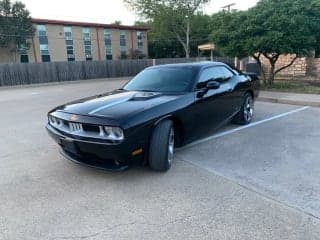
x=243, y=127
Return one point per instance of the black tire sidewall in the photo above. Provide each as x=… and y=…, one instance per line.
x=158, y=147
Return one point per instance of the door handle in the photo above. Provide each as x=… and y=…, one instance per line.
x=229, y=89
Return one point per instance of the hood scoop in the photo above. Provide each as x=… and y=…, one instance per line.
x=140, y=96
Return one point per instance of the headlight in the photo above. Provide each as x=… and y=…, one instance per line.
x=113, y=133
x=52, y=120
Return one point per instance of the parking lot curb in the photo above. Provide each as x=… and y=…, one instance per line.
x=288, y=101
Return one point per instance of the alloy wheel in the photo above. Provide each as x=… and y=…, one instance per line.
x=248, y=109
x=171, y=146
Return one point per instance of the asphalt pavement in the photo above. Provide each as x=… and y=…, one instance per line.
x=257, y=182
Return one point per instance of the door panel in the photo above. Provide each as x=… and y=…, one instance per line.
x=232, y=98
x=213, y=108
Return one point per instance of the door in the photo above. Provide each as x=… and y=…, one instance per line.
x=233, y=98
x=213, y=108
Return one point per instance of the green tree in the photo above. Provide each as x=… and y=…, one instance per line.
x=160, y=44
x=117, y=22
x=170, y=17
x=229, y=33
x=269, y=29
x=15, y=26
x=163, y=44
x=201, y=27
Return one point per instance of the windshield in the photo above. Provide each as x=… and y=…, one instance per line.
x=162, y=80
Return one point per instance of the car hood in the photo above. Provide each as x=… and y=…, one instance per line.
x=117, y=104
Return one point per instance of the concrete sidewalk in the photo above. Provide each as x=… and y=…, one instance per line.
x=312, y=100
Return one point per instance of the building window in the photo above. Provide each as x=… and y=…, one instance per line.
x=44, y=52
x=108, y=44
x=69, y=43
x=24, y=58
x=140, y=41
x=43, y=42
x=68, y=33
x=45, y=58
x=23, y=51
x=87, y=43
x=123, y=45
x=42, y=30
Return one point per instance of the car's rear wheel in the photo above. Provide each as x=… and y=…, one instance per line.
x=161, y=149
x=245, y=114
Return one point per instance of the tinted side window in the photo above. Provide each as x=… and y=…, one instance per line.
x=209, y=74
x=227, y=74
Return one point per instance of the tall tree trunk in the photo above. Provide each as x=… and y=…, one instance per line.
x=317, y=53
x=272, y=72
x=317, y=49
x=188, y=39
x=273, y=58
x=184, y=44
x=257, y=58
x=15, y=56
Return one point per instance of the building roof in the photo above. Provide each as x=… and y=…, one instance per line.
x=88, y=24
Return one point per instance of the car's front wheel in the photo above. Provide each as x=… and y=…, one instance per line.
x=162, y=146
x=245, y=114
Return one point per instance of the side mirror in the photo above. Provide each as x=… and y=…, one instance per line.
x=212, y=84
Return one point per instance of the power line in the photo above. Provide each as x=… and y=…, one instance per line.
x=228, y=7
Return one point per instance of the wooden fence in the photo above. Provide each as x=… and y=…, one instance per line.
x=32, y=73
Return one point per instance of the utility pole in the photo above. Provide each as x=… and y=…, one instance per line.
x=228, y=7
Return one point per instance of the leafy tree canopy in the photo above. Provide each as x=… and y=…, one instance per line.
x=117, y=22
x=171, y=18
x=271, y=28
x=164, y=44
x=15, y=25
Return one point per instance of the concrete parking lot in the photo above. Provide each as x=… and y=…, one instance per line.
x=257, y=182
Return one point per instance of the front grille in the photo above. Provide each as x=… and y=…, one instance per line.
x=90, y=128
x=77, y=129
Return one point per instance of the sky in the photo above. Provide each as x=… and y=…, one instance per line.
x=105, y=11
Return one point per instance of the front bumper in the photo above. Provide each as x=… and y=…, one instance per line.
x=96, y=154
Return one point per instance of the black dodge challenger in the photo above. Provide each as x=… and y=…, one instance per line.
x=163, y=107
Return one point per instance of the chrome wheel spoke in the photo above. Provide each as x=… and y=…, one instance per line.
x=245, y=115
x=248, y=109
x=171, y=146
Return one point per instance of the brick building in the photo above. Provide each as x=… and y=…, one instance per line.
x=56, y=40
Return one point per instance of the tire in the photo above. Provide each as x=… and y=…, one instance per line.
x=245, y=114
x=161, y=148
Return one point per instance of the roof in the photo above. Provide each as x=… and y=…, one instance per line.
x=191, y=64
x=88, y=24
x=194, y=65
